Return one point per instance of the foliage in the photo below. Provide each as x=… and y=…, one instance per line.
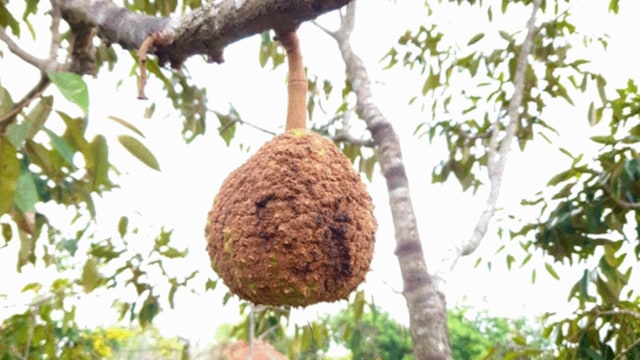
x=486, y=337
x=148, y=343
x=48, y=329
x=371, y=335
x=591, y=219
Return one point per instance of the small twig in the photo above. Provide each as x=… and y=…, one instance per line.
x=386, y=283
x=345, y=137
x=7, y=118
x=497, y=164
x=266, y=332
x=343, y=134
x=622, y=352
x=324, y=29
x=243, y=122
x=22, y=54
x=622, y=312
x=620, y=202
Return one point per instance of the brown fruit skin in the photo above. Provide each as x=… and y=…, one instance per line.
x=292, y=226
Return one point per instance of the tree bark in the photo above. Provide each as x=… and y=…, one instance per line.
x=426, y=303
x=205, y=31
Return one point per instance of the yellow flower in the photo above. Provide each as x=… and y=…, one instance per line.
x=101, y=348
x=118, y=334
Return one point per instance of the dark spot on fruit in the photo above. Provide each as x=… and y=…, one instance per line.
x=263, y=201
x=342, y=217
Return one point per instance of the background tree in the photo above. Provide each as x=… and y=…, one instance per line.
x=373, y=335
x=481, y=88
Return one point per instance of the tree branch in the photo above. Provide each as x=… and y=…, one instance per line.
x=204, y=31
x=497, y=164
x=41, y=64
x=427, y=310
x=56, y=15
x=343, y=134
x=345, y=137
x=8, y=118
x=618, y=201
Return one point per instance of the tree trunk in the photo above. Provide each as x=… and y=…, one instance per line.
x=426, y=304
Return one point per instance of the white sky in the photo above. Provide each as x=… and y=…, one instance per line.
x=180, y=196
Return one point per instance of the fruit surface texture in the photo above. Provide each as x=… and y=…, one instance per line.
x=294, y=225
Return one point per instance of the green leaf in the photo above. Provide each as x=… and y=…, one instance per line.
x=432, y=82
x=90, y=276
x=126, y=124
x=61, y=145
x=100, y=154
x=173, y=253
x=475, y=39
x=358, y=305
x=366, y=166
x=510, y=260
x=6, y=102
x=225, y=299
x=17, y=133
x=601, y=83
x=149, y=310
x=563, y=176
x=27, y=249
x=9, y=173
x=607, y=140
x=520, y=340
x=263, y=55
x=26, y=195
x=7, y=20
x=505, y=35
x=34, y=286
x=137, y=149
x=122, y=225
x=609, y=295
x=551, y=271
x=591, y=115
x=69, y=245
x=7, y=232
x=39, y=115
x=72, y=87
x=228, y=122
x=210, y=284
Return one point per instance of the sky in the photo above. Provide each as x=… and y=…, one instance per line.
x=180, y=196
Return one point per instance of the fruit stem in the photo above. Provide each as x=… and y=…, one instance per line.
x=297, y=84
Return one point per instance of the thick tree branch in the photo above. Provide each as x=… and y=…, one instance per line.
x=56, y=16
x=427, y=310
x=498, y=156
x=205, y=31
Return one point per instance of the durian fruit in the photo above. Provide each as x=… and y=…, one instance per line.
x=293, y=225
